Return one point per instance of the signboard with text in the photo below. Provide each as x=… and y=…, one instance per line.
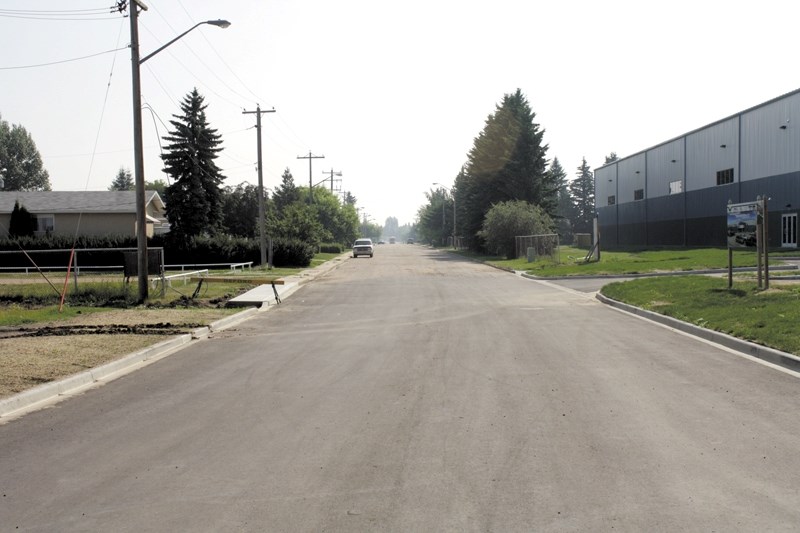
x=742, y=224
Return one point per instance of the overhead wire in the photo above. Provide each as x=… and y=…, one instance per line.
x=213, y=73
x=192, y=74
x=63, y=60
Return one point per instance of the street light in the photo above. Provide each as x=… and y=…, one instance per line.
x=454, y=211
x=138, y=143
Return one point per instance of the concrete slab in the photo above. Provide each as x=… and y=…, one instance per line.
x=263, y=295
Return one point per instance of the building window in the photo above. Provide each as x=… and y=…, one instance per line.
x=725, y=176
x=44, y=224
x=638, y=194
x=612, y=200
x=675, y=187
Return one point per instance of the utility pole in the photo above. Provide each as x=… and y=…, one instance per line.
x=262, y=232
x=138, y=159
x=332, y=173
x=310, y=156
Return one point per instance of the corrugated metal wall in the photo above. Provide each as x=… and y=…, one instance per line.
x=770, y=139
x=710, y=150
x=761, y=145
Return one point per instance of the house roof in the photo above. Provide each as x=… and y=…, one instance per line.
x=76, y=201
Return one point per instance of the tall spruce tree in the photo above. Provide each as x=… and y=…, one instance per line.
x=286, y=193
x=123, y=181
x=564, y=209
x=507, y=162
x=194, y=200
x=581, y=189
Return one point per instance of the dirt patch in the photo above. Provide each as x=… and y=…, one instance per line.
x=39, y=353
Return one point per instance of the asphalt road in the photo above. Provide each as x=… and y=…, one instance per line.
x=416, y=391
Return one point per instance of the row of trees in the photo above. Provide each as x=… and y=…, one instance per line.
x=507, y=186
x=197, y=203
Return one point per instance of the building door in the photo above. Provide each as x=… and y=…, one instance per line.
x=789, y=230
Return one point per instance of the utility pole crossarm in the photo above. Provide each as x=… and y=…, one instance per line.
x=310, y=157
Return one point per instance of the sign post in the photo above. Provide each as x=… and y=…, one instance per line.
x=747, y=228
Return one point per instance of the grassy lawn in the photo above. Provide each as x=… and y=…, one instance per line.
x=768, y=317
x=631, y=262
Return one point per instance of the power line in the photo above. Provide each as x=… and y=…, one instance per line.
x=64, y=60
x=310, y=157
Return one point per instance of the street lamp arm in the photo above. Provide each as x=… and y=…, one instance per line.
x=219, y=23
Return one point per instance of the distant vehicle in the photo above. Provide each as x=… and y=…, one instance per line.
x=362, y=247
x=392, y=240
x=410, y=241
x=381, y=242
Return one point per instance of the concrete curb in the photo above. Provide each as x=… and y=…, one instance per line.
x=659, y=274
x=55, y=391
x=764, y=353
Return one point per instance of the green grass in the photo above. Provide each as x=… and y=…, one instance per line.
x=769, y=318
x=629, y=262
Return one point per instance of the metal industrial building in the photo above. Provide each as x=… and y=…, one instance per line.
x=676, y=193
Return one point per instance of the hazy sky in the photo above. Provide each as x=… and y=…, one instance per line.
x=391, y=93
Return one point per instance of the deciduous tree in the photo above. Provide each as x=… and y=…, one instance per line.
x=20, y=162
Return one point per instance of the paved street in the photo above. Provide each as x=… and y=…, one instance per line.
x=417, y=391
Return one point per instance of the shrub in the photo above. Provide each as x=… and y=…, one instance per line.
x=331, y=248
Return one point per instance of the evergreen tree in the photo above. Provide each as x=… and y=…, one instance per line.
x=286, y=193
x=581, y=189
x=22, y=223
x=194, y=200
x=123, y=181
x=21, y=160
x=349, y=199
x=507, y=162
x=564, y=209
x=610, y=158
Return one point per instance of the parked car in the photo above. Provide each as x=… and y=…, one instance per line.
x=362, y=247
x=410, y=241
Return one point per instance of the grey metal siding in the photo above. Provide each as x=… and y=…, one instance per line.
x=761, y=145
x=605, y=180
x=771, y=139
x=710, y=150
x=631, y=176
x=665, y=164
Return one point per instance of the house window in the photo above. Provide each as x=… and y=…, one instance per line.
x=638, y=194
x=44, y=224
x=612, y=200
x=675, y=187
x=725, y=176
